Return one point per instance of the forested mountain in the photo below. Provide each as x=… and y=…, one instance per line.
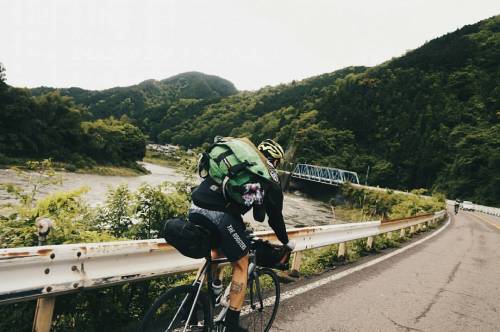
x=145, y=103
x=428, y=119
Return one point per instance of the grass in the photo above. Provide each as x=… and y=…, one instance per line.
x=166, y=160
x=345, y=213
x=114, y=170
x=127, y=169
x=161, y=162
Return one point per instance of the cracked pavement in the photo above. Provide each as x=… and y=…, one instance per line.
x=448, y=283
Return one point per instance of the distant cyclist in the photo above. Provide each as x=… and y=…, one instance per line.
x=238, y=177
x=457, y=205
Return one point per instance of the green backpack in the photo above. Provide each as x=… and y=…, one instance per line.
x=234, y=162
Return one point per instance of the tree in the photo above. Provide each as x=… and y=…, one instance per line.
x=2, y=74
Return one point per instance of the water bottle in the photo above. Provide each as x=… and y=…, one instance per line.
x=217, y=287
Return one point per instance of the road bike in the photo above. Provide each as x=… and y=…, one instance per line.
x=198, y=307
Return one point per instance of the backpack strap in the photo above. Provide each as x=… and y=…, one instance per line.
x=223, y=156
x=233, y=170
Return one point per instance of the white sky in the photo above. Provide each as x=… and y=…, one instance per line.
x=97, y=44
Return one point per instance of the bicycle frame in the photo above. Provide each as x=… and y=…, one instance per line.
x=205, y=272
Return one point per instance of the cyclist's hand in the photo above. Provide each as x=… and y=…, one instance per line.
x=290, y=246
x=287, y=250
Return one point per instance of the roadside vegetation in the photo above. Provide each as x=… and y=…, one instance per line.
x=362, y=203
x=124, y=215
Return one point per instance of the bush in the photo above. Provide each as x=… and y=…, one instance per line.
x=70, y=167
x=392, y=205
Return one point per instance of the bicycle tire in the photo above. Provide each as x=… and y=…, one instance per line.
x=254, y=316
x=160, y=315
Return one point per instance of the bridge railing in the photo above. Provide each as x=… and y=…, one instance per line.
x=48, y=271
x=326, y=175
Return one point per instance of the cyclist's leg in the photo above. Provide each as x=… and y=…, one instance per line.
x=238, y=283
x=235, y=245
x=217, y=272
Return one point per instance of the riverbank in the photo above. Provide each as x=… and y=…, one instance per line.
x=128, y=169
x=98, y=185
x=177, y=160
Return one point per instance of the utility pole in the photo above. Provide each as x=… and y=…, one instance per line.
x=367, y=173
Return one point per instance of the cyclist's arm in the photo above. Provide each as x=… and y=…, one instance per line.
x=274, y=207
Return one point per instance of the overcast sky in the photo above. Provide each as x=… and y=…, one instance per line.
x=97, y=44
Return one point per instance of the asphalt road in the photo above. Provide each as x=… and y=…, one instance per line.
x=448, y=283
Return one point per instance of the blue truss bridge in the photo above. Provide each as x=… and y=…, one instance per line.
x=327, y=175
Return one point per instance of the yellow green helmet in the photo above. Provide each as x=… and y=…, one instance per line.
x=271, y=150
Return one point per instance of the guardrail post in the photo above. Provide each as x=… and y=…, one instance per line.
x=43, y=314
x=45, y=305
x=388, y=235
x=297, y=259
x=402, y=233
x=369, y=243
x=342, y=251
x=412, y=229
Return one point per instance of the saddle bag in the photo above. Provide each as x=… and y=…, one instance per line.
x=189, y=239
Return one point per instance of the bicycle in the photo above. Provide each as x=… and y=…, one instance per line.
x=193, y=308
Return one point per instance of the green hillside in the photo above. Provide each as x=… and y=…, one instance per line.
x=429, y=119
x=51, y=126
x=145, y=102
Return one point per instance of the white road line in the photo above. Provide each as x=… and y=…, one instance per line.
x=300, y=290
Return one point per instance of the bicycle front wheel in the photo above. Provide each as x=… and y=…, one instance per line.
x=171, y=311
x=261, y=301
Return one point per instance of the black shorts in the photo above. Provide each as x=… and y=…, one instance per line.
x=228, y=231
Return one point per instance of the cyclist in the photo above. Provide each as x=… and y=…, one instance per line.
x=223, y=217
x=457, y=205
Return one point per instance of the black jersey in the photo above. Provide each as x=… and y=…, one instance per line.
x=208, y=195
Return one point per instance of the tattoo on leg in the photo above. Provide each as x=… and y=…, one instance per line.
x=236, y=287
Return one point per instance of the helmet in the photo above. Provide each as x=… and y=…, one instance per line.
x=271, y=150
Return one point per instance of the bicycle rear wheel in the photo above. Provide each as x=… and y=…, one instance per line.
x=261, y=301
x=171, y=310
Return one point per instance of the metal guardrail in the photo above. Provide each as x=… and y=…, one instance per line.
x=487, y=209
x=480, y=208
x=45, y=272
x=33, y=272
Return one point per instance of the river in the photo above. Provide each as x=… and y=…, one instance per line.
x=298, y=210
